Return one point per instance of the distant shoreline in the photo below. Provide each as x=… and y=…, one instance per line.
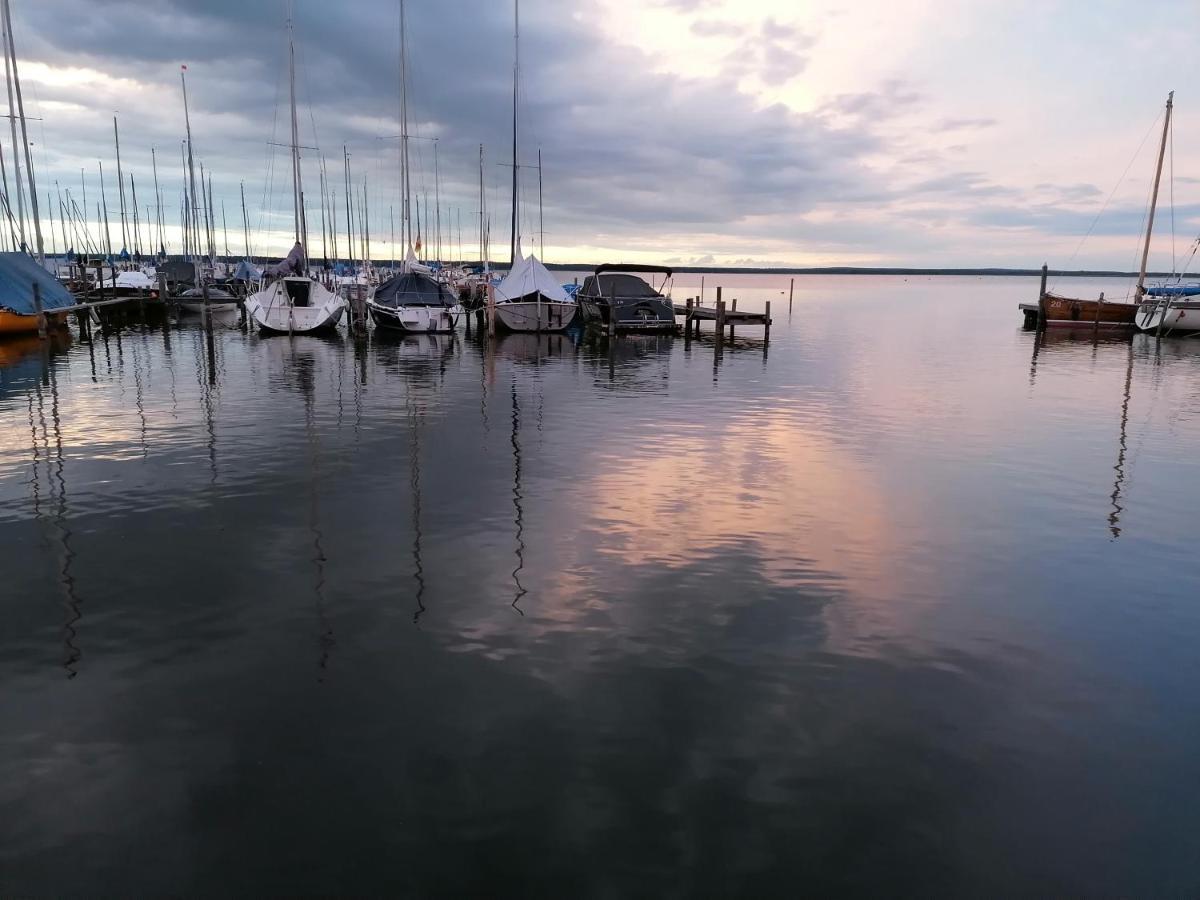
x=863, y=270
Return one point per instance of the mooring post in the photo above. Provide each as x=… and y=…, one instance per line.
x=767, y=324
x=687, y=320
x=207, y=315
x=1041, y=321
x=162, y=286
x=37, y=307
x=791, y=292
x=491, y=310
x=720, y=332
x=732, y=308
x=1096, y=323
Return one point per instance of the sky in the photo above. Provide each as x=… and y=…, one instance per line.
x=703, y=132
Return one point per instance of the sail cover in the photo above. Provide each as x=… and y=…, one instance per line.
x=18, y=272
x=528, y=278
x=413, y=289
x=292, y=265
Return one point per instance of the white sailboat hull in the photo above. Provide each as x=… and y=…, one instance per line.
x=1177, y=317
x=523, y=315
x=415, y=319
x=295, y=306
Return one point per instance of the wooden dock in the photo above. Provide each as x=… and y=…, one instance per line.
x=722, y=315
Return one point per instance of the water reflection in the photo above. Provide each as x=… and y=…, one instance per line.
x=803, y=616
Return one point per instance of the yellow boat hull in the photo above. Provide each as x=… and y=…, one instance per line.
x=15, y=323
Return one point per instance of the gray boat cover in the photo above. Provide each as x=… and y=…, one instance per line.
x=293, y=264
x=619, y=285
x=413, y=289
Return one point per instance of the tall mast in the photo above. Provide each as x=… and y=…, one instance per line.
x=137, y=237
x=245, y=219
x=516, y=164
x=437, y=203
x=297, y=187
x=212, y=223
x=349, y=222
x=193, y=219
x=366, y=225
x=120, y=186
x=33, y=198
x=541, y=223
x=12, y=122
x=1162, y=149
x=224, y=227
x=405, y=182
x=157, y=200
x=481, y=252
x=104, y=200
x=324, y=246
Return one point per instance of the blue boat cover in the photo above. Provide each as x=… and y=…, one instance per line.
x=246, y=271
x=18, y=272
x=1173, y=290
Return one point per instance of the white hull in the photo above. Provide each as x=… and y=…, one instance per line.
x=281, y=306
x=416, y=319
x=199, y=306
x=533, y=316
x=1180, y=316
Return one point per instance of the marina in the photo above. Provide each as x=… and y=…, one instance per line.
x=528, y=449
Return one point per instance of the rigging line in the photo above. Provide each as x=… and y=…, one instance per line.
x=1116, y=187
x=1171, y=188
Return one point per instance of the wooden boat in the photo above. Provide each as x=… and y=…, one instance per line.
x=1059, y=311
x=1055, y=310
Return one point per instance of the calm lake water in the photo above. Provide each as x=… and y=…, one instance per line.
x=905, y=605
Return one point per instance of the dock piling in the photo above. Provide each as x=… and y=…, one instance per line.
x=767, y=327
x=791, y=293
x=41, y=315
x=720, y=331
x=732, y=308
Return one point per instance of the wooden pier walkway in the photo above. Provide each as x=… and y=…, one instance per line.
x=721, y=315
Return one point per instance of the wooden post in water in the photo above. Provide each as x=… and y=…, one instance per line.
x=767, y=325
x=207, y=315
x=791, y=292
x=162, y=286
x=1041, y=320
x=732, y=308
x=687, y=320
x=719, y=334
x=37, y=307
x=491, y=310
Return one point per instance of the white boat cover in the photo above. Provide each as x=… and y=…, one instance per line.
x=134, y=281
x=528, y=276
x=411, y=264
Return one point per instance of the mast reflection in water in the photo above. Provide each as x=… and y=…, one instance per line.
x=890, y=611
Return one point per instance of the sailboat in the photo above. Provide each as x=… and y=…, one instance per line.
x=1055, y=310
x=1171, y=308
x=414, y=299
x=294, y=302
x=529, y=298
